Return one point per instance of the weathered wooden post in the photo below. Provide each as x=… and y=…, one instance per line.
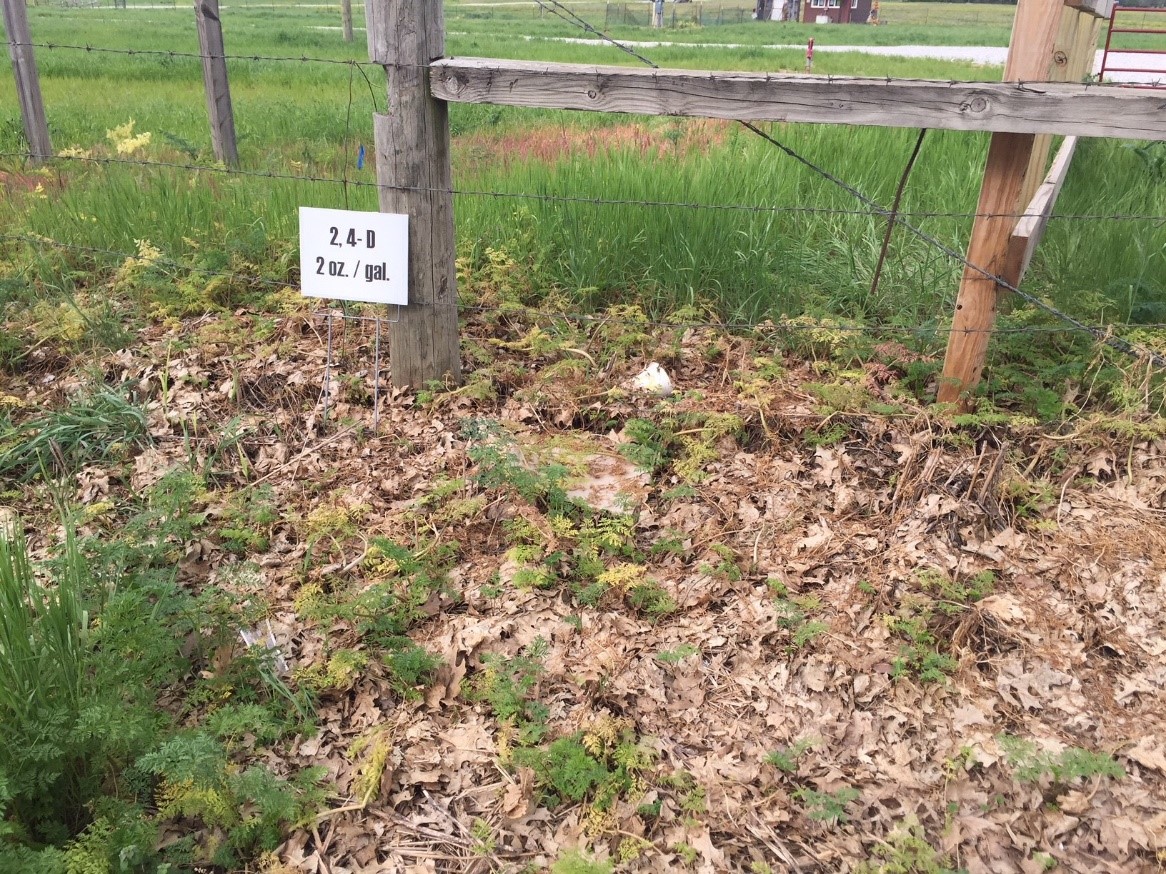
x=32, y=107
x=214, y=78
x=1072, y=59
x=1030, y=54
x=346, y=19
x=413, y=172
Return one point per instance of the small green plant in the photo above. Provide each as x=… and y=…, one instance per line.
x=577, y=862
x=1031, y=764
x=564, y=769
x=793, y=614
x=248, y=520
x=482, y=835
x=953, y=596
x=92, y=766
x=508, y=686
x=918, y=655
x=381, y=613
x=500, y=465
x=47, y=760
x=786, y=758
x=601, y=765
x=647, y=445
x=688, y=794
x=829, y=807
x=727, y=566
x=252, y=807
x=907, y=851
x=651, y=600
x=676, y=656
x=687, y=853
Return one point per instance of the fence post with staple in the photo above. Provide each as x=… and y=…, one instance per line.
x=214, y=78
x=32, y=107
x=414, y=175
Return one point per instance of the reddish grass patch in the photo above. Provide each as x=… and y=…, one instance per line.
x=550, y=145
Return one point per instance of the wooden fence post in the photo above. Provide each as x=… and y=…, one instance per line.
x=1072, y=59
x=346, y=19
x=32, y=107
x=413, y=170
x=1030, y=51
x=214, y=78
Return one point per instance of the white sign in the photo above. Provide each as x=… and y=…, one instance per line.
x=347, y=254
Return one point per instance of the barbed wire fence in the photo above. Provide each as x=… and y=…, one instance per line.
x=1107, y=334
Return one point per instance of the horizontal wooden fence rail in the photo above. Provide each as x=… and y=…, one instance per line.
x=1002, y=107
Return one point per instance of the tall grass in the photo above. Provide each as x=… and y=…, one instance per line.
x=43, y=641
x=748, y=264
x=310, y=119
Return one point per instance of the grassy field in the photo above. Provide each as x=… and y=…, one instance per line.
x=796, y=248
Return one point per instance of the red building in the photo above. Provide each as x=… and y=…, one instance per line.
x=836, y=11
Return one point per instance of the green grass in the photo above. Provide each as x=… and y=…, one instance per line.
x=300, y=118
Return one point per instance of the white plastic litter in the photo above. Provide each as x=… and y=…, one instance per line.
x=255, y=637
x=654, y=379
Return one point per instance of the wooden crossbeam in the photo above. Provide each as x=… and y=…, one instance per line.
x=1003, y=107
x=1096, y=8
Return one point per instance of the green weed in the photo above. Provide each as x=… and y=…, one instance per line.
x=793, y=614
x=647, y=444
x=676, y=656
x=953, y=595
x=602, y=764
x=576, y=862
x=1031, y=764
x=253, y=807
x=84, y=660
x=94, y=426
x=248, y=520
x=918, y=656
x=785, y=759
x=651, y=600
x=509, y=687
x=907, y=851
x=829, y=807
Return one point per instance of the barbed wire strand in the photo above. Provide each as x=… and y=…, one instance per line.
x=1120, y=345
x=770, y=77
x=561, y=11
x=169, y=53
x=601, y=318
x=579, y=199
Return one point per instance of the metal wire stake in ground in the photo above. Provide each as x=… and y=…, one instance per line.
x=874, y=283
x=326, y=391
x=376, y=380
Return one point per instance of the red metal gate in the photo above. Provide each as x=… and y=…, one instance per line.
x=1150, y=75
